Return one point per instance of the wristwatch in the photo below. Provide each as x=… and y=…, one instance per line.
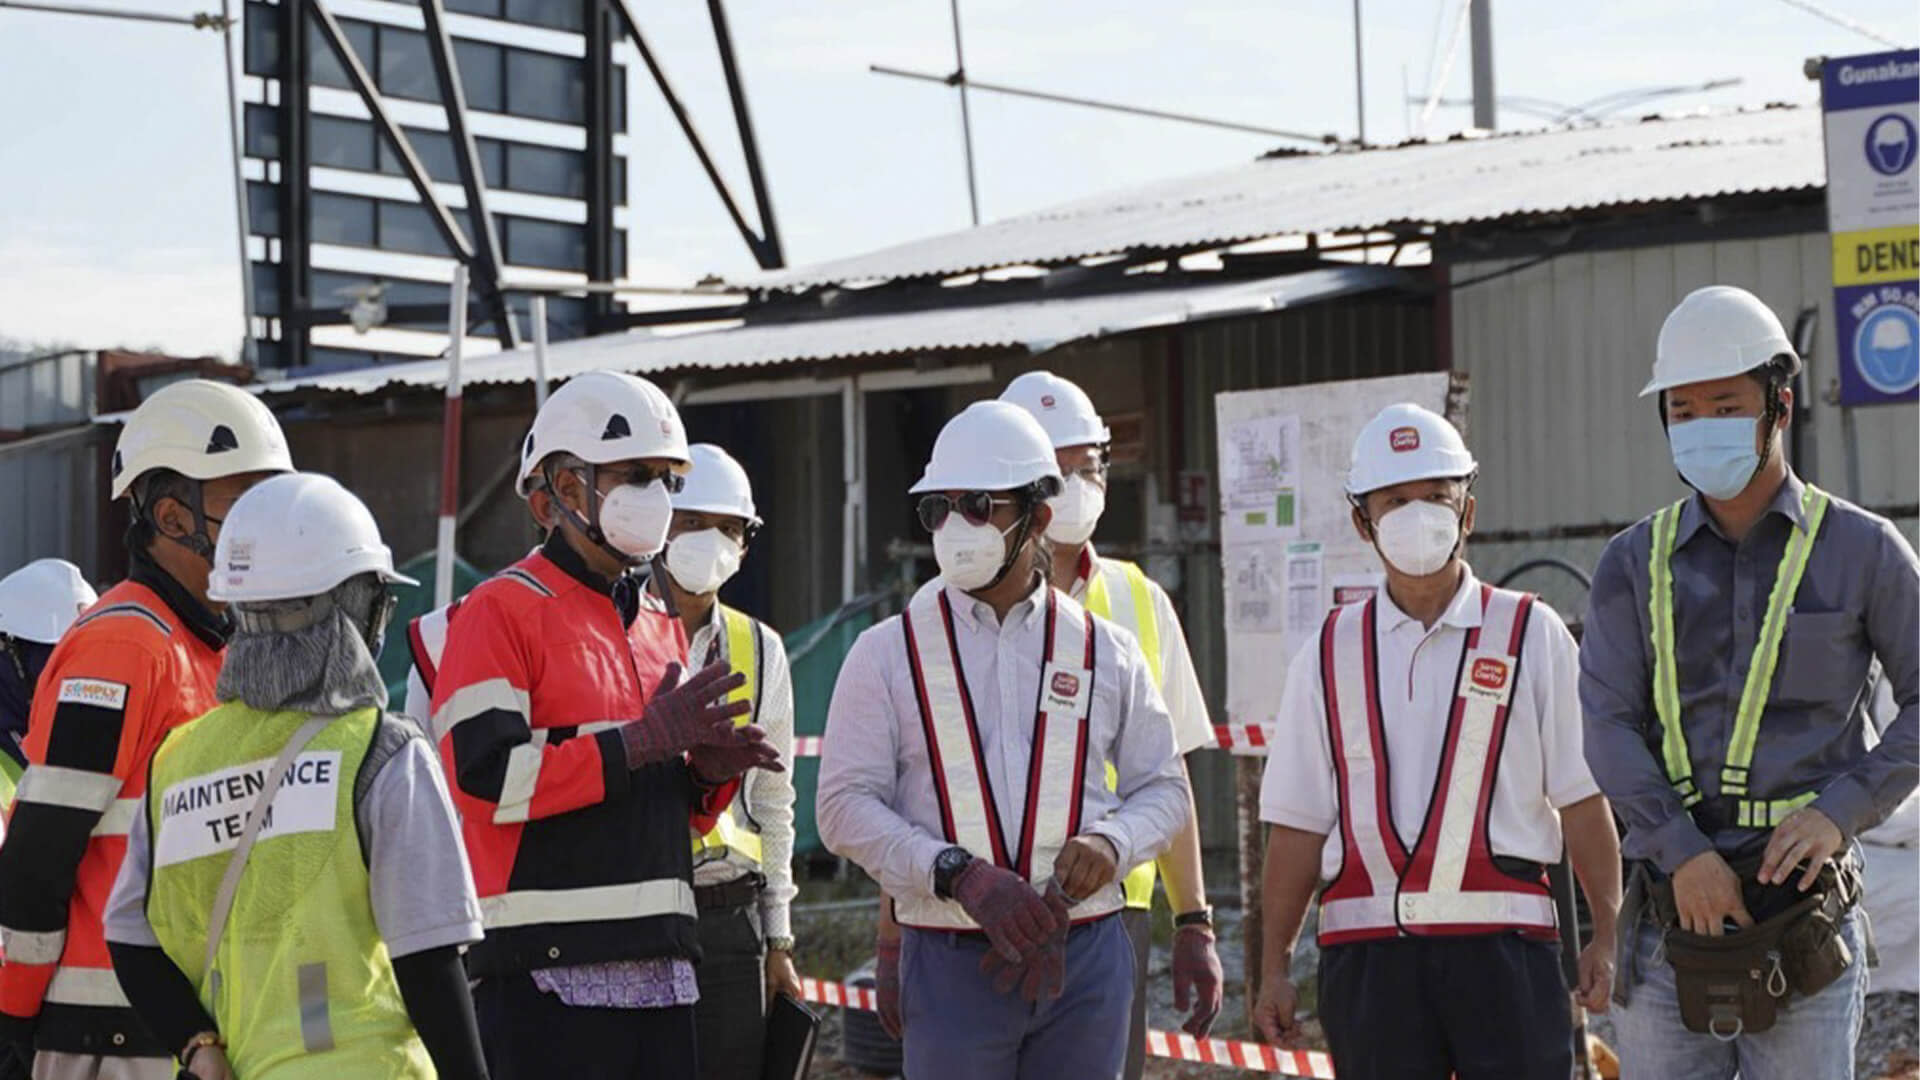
x=1200, y=917
x=780, y=944
x=946, y=870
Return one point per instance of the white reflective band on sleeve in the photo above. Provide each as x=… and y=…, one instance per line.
x=87, y=986
x=959, y=775
x=598, y=726
x=118, y=820
x=1477, y=908
x=1356, y=741
x=33, y=947
x=470, y=701
x=1356, y=913
x=523, y=775
x=55, y=785
x=603, y=903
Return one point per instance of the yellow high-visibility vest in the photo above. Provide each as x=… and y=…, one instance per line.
x=1117, y=577
x=745, y=656
x=1749, y=812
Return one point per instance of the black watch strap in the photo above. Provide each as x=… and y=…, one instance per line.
x=946, y=870
x=1203, y=917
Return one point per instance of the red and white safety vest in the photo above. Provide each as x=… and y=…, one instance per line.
x=1056, y=769
x=1449, y=884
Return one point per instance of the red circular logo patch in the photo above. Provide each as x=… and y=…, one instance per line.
x=1490, y=674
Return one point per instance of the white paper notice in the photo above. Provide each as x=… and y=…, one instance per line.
x=1259, y=485
x=1305, y=605
x=1258, y=588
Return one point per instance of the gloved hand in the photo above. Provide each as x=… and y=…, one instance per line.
x=16, y=1047
x=680, y=716
x=718, y=764
x=886, y=986
x=1016, y=919
x=1196, y=973
x=1044, y=974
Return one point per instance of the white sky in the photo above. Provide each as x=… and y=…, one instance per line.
x=116, y=214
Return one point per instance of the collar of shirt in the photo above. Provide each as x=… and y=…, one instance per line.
x=628, y=592
x=1786, y=502
x=212, y=629
x=974, y=614
x=708, y=643
x=1463, y=610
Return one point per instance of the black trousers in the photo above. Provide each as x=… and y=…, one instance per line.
x=528, y=1034
x=1492, y=1007
x=732, y=1014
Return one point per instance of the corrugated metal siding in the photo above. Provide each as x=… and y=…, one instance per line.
x=1452, y=182
x=1558, y=352
x=50, y=501
x=41, y=392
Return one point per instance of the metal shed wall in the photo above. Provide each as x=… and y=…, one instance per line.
x=1557, y=354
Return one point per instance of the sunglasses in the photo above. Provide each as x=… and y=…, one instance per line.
x=975, y=507
x=642, y=475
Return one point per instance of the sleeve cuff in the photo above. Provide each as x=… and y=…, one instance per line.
x=1676, y=841
x=1122, y=843
x=1297, y=819
x=615, y=777
x=1579, y=794
x=462, y=933
x=1849, y=806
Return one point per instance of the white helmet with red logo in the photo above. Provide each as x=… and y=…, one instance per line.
x=1064, y=410
x=1405, y=442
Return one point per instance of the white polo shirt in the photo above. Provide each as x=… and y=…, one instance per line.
x=1542, y=764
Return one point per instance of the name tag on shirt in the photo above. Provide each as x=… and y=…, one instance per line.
x=1488, y=677
x=1064, y=690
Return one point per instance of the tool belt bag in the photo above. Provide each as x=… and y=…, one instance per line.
x=1736, y=984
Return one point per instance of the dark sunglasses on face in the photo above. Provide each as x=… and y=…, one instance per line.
x=975, y=507
x=642, y=475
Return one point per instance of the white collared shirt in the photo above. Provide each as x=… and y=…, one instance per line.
x=1179, y=684
x=767, y=796
x=1543, y=766
x=877, y=802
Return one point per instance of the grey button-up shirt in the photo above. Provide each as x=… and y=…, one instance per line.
x=1860, y=599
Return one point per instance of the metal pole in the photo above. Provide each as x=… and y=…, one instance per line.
x=539, y=352
x=1850, y=439
x=1359, y=77
x=450, y=442
x=248, y=350
x=749, y=146
x=1481, y=15
x=296, y=183
x=850, y=477
x=966, y=117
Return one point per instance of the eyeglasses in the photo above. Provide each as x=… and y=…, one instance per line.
x=976, y=508
x=642, y=475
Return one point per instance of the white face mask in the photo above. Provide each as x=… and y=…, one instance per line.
x=635, y=518
x=702, y=561
x=969, y=555
x=1076, y=511
x=1418, y=538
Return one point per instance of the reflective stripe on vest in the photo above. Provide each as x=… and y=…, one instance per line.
x=1056, y=769
x=1449, y=884
x=746, y=657
x=1113, y=577
x=1748, y=812
x=319, y=1002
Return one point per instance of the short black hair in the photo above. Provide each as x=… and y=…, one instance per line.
x=157, y=484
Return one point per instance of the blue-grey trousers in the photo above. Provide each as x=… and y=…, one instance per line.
x=958, y=1028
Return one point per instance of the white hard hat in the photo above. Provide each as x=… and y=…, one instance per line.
x=296, y=536
x=1064, y=410
x=202, y=430
x=601, y=417
x=1716, y=332
x=716, y=485
x=991, y=446
x=41, y=599
x=1403, y=443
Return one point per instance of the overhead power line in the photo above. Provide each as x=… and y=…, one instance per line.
x=1837, y=19
x=199, y=20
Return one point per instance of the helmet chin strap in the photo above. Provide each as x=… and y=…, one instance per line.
x=198, y=541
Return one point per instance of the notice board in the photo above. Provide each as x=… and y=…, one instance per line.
x=1287, y=543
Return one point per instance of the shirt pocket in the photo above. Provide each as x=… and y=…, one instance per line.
x=1822, y=661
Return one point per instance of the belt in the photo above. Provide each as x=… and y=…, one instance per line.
x=731, y=894
x=977, y=939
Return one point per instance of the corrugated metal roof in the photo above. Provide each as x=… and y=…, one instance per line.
x=1442, y=183
x=1033, y=324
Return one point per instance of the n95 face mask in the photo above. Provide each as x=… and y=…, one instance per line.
x=1419, y=538
x=1076, y=511
x=970, y=556
x=702, y=561
x=635, y=517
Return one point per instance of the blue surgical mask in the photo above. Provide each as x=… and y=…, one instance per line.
x=1716, y=455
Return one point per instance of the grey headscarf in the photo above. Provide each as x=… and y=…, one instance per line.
x=308, y=655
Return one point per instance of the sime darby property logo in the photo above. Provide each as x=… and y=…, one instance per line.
x=1404, y=439
x=1046, y=401
x=1490, y=674
x=1066, y=684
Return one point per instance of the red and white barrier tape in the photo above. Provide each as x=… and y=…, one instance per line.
x=1257, y=1057
x=1247, y=739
